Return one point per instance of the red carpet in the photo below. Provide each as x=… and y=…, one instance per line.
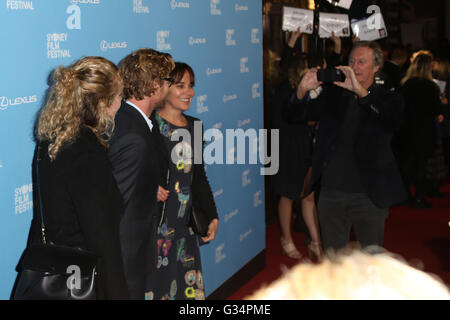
x=421, y=237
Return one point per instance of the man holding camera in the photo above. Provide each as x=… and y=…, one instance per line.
x=352, y=162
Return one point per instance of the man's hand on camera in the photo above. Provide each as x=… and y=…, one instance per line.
x=351, y=83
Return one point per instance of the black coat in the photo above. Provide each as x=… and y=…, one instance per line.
x=82, y=207
x=377, y=167
x=422, y=106
x=393, y=75
x=202, y=196
x=295, y=147
x=138, y=166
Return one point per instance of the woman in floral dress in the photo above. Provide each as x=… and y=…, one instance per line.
x=178, y=271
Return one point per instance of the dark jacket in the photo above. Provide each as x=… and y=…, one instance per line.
x=393, y=75
x=377, y=167
x=202, y=196
x=82, y=207
x=295, y=146
x=138, y=166
x=422, y=106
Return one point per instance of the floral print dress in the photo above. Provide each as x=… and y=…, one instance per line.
x=177, y=274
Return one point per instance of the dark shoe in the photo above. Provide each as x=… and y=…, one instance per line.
x=421, y=203
x=315, y=251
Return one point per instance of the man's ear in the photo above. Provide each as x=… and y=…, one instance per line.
x=376, y=68
x=156, y=84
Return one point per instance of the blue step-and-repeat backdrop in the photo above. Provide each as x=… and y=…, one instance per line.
x=220, y=39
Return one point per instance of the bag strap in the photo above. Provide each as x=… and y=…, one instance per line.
x=164, y=204
x=38, y=189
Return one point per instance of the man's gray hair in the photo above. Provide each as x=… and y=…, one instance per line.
x=378, y=59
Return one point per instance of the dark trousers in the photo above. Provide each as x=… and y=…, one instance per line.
x=413, y=170
x=339, y=211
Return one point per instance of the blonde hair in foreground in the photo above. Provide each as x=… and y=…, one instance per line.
x=359, y=276
x=80, y=96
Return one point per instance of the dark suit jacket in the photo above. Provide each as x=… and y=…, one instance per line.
x=138, y=166
x=82, y=207
x=375, y=161
x=202, y=196
x=394, y=74
x=417, y=136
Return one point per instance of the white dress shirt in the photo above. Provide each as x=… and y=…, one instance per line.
x=147, y=119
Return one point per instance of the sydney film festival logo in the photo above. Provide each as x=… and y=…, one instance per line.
x=161, y=40
x=255, y=36
x=244, y=67
x=201, y=107
x=215, y=10
x=255, y=91
x=229, y=41
x=19, y=5
x=138, y=7
x=54, y=50
x=23, y=198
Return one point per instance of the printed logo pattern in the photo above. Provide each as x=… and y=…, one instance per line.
x=227, y=61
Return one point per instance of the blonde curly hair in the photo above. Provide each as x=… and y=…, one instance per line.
x=143, y=68
x=80, y=96
x=355, y=276
x=421, y=67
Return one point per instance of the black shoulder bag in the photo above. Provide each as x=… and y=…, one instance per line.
x=53, y=272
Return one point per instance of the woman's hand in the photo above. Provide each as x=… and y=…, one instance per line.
x=444, y=99
x=212, y=230
x=293, y=37
x=337, y=43
x=162, y=195
x=355, y=39
x=309, y=82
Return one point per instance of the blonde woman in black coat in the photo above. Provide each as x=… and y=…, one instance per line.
x=418, y=133
x=81, y=202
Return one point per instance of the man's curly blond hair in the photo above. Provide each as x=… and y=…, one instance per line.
x=80, y=96
x=143, y=70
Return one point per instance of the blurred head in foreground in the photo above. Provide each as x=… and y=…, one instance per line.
x=358, y=276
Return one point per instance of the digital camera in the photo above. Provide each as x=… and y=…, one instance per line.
x=330, y=75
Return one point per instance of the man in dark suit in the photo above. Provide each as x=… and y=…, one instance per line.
x=392, y=68
x=353, y=161
x=138, y=162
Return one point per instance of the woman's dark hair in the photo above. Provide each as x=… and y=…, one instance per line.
x=293, y=70
x=179, y=70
